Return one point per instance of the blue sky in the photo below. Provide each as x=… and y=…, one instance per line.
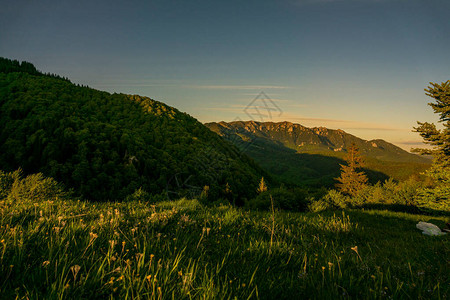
x=357, y=65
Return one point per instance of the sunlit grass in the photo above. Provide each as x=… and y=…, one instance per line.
x=73, y=249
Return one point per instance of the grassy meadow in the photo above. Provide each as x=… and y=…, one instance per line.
x=60, y=248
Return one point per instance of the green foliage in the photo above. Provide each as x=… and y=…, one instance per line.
x=331, y=201
x=139, y=195
x=407, y=196
x=70, y=249
x=32, y=188
x=439, y=195
x=10, y=66
x=106, y=146
x=7, y=180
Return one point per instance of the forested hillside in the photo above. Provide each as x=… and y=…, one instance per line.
x=106, y=146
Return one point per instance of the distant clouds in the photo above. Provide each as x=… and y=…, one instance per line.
x=238, y=87
x=256, y=88
x=303, y=2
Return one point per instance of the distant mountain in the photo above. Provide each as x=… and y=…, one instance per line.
x=105, y=146
x=297, y=154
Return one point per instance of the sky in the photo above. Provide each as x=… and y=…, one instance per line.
x=357, y=65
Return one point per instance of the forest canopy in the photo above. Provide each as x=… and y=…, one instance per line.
x=106, y=146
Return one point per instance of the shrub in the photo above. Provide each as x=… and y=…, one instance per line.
x=139, y=195
x=35, y=188
x=6, y=182
x=318, y=206
x=332, y=200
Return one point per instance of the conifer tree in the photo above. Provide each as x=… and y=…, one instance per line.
x=439, y=139
x=351, y=181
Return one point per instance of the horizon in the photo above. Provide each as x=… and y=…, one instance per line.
x=358, y=66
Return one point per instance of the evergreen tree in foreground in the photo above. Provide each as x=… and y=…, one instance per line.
x=351, y=181
x=439, y=195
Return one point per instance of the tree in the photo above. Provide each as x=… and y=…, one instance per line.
x=351, y=181
x=439, y=196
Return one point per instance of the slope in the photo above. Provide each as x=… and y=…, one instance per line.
x=106, y=146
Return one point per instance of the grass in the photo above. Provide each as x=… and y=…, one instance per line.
x=65, y=249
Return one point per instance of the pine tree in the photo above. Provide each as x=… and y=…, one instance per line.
x=351, y=181
x=262, y=186
x=437, y=197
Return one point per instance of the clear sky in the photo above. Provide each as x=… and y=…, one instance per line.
x=357, y=65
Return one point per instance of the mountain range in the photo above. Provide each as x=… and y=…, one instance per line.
x=312, y=156
x=110, y=146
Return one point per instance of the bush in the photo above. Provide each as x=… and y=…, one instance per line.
x=34, y=188
x=139, y=195
x=6, y=182
x=332, y=200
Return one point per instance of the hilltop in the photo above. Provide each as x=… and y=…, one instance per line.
x=108, y=146
x=296, y=153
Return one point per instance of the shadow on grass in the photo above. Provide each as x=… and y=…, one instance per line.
x=300, y=169
x=406, y=209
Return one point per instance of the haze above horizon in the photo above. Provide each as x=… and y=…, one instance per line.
x=356, y=65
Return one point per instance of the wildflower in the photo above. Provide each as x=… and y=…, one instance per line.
x=45, y=263
x=323, y=268
x=112, y=243
x=148, y=277
x=75, y=269
x=356, y=251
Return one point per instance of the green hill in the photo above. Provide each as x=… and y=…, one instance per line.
x=312, y=156
x=106, y=146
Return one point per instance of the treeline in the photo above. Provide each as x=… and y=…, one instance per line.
x=106, y=146
x=11, y=66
